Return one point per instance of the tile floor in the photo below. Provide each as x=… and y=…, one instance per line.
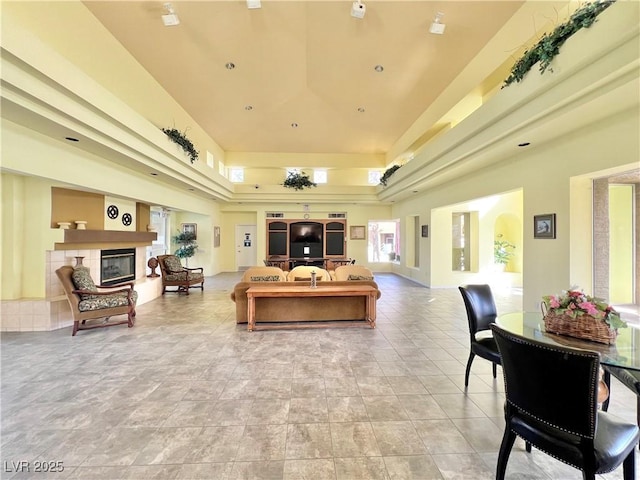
x=188, y=394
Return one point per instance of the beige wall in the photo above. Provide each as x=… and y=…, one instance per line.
x=26, y=205
x=545, y=176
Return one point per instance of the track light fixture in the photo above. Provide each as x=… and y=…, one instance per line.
x=170, y=18
x=437, y=27
x=253, y=4
x=358, y=9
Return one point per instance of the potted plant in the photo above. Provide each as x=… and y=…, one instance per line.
x=298, y=181
x=187, y=245
x=502, y=252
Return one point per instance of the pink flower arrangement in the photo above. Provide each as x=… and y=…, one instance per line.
x=575, y=302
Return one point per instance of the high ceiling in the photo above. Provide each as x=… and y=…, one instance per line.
x=304, y=63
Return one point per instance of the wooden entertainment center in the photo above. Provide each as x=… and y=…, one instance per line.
x=306, y=238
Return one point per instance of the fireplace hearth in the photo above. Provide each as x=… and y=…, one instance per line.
x=117, y=266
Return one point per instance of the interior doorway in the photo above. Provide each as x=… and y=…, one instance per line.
x=245, y=246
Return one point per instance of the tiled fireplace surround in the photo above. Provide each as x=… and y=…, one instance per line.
x=52, y=312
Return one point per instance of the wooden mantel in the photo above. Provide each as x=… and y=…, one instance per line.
x=99, y=239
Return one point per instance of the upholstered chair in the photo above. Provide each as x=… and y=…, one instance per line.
x=629, y=378
x=352, y=272
x=481, y=312
x=551, y=402
x=264, y=274
x=303, y=272
x=89, y=301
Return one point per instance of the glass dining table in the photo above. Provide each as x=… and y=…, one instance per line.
x=625, y=353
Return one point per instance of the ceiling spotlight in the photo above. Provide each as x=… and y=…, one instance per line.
x=358, y=9
x=437, y=27
x=251, y=4
x=229, y=65
x=170, y=18
x=378, y=68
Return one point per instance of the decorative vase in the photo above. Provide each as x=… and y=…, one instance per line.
x=153, y=264
x=64, y=225
x=81, y=224
x=79, y=261
x=314, y=283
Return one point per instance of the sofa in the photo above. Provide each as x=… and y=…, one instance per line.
x=306, y=309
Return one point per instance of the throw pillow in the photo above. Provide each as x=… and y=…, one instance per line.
x=265, y=278
x=360, y=277
x=172, y=264
x=82, y=280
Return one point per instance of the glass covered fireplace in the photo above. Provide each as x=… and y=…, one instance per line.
x=117, y=266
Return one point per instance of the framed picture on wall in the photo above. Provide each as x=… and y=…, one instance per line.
x=357, y=232
x=190, y=228
x=216, y=237
x=544, y=226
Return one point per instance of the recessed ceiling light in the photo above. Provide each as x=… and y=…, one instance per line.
x=361, y=109
x=294, y=125
x=230, y=65
x=71, y=139
x=524, y=144
x=248, y=108
x=153, y=174
x=378, y=68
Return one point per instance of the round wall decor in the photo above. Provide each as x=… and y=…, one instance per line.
x=127, y=219
x=112, y=212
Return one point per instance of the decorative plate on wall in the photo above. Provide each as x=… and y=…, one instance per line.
x=112, y=212
x=127, y=219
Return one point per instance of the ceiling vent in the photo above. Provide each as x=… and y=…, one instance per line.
x=275, y=215
x=338, y=215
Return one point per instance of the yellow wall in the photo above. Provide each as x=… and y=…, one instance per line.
x=621, y=264
x=26, y=205
x=544, y=175
x=61, y=24
x=485, y=212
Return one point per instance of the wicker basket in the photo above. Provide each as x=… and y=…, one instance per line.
x=583, y=326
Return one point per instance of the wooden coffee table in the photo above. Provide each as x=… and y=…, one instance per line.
x=304, y=291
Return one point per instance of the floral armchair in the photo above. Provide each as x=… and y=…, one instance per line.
x=175, y=275
x=89, y=301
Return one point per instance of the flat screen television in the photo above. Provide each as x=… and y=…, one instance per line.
x=306, y=232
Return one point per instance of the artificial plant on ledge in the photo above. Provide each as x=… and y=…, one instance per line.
x=181, y=139
x=387, y=174
x=298, y=181
x=549, y=45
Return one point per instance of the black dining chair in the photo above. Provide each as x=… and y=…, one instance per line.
x=629, y=378
x=481, y=312
x=551, y=402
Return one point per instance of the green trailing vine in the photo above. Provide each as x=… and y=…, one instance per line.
x=181, y=139
x=549, y=45
x=387, y=174
x=298, y=181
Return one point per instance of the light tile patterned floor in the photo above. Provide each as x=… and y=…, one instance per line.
x=188, y=394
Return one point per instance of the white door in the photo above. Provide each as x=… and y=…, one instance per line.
x=245, y=246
